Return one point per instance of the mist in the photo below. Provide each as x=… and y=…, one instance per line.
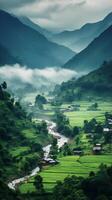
x=18, y=77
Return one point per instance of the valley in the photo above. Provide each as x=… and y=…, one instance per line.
x=74, y=165
x=55, y=100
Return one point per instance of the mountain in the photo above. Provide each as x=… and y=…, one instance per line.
x=6, y=57
x=79, y=39
x=94, y=55
x=28, y=45
x=28, y=22
x=96, y=83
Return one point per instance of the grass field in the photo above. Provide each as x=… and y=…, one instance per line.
x=77, y=117
x=68, y=166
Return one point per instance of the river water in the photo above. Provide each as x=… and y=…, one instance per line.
x=61, y=140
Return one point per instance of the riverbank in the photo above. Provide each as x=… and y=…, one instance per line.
x=61, y=140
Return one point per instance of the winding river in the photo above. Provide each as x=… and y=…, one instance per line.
x=61, y=140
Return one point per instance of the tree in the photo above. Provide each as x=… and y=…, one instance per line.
x=3, y=133
x=99, y=129
x=66, y=150
x=77, y=140
x=38, y=183
x=92, y=173
x=40, y=101
x=1, y=93
x=95, y=105
x=54, y=149
x=75, y=130
x=4, y=85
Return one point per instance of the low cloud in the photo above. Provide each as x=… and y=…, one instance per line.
x=58, y=15
x=20, y=77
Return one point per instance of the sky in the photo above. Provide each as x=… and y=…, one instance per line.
x=59, y=15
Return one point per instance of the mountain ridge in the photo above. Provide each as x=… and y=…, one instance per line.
x=28, y=45
x=28, y=22
x=6, y=57
x=79, y=39
x=96, y=52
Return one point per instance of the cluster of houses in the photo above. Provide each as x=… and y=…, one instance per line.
x=108, y=126
x=97, y=148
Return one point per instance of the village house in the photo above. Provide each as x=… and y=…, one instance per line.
x=48, y=161
x=97, y=149
x=77, y=151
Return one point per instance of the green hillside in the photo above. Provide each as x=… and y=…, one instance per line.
x=21, y=140
x=97, y=83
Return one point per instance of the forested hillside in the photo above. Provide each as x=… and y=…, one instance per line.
x=21, y=141
x=96, y=83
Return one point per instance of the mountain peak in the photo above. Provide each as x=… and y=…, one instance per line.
x=31, y=47
x=79, y=39
x=96, y=52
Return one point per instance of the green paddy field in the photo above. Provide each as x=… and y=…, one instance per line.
x=68, y=166
x=77, y=117
x=73, y=165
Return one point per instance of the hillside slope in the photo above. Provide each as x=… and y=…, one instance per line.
x=34, y=26
x=94, y=55
x=21, y=141
x=28, y=45
x=98, y=83
x=6, y=57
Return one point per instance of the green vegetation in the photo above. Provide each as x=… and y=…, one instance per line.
x=21, y=140
x=93, y=85
x=68, y=166
x=76, y=118
x=97, y=186
x=40, y=101
x=6, y=193
x=26, y=152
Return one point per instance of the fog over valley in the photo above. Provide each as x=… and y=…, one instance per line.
x=20, y=78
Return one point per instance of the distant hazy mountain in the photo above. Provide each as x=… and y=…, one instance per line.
x=98, y=83
x=79, y=39
x=6, y=57
x=28, y=45
x=28, y=22
x=92, y=57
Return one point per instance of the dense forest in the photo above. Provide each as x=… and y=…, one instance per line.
x=18, y=153
x=94, y=84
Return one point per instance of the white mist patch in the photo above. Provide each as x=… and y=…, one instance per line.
x=17, y=76
x=56, y=75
